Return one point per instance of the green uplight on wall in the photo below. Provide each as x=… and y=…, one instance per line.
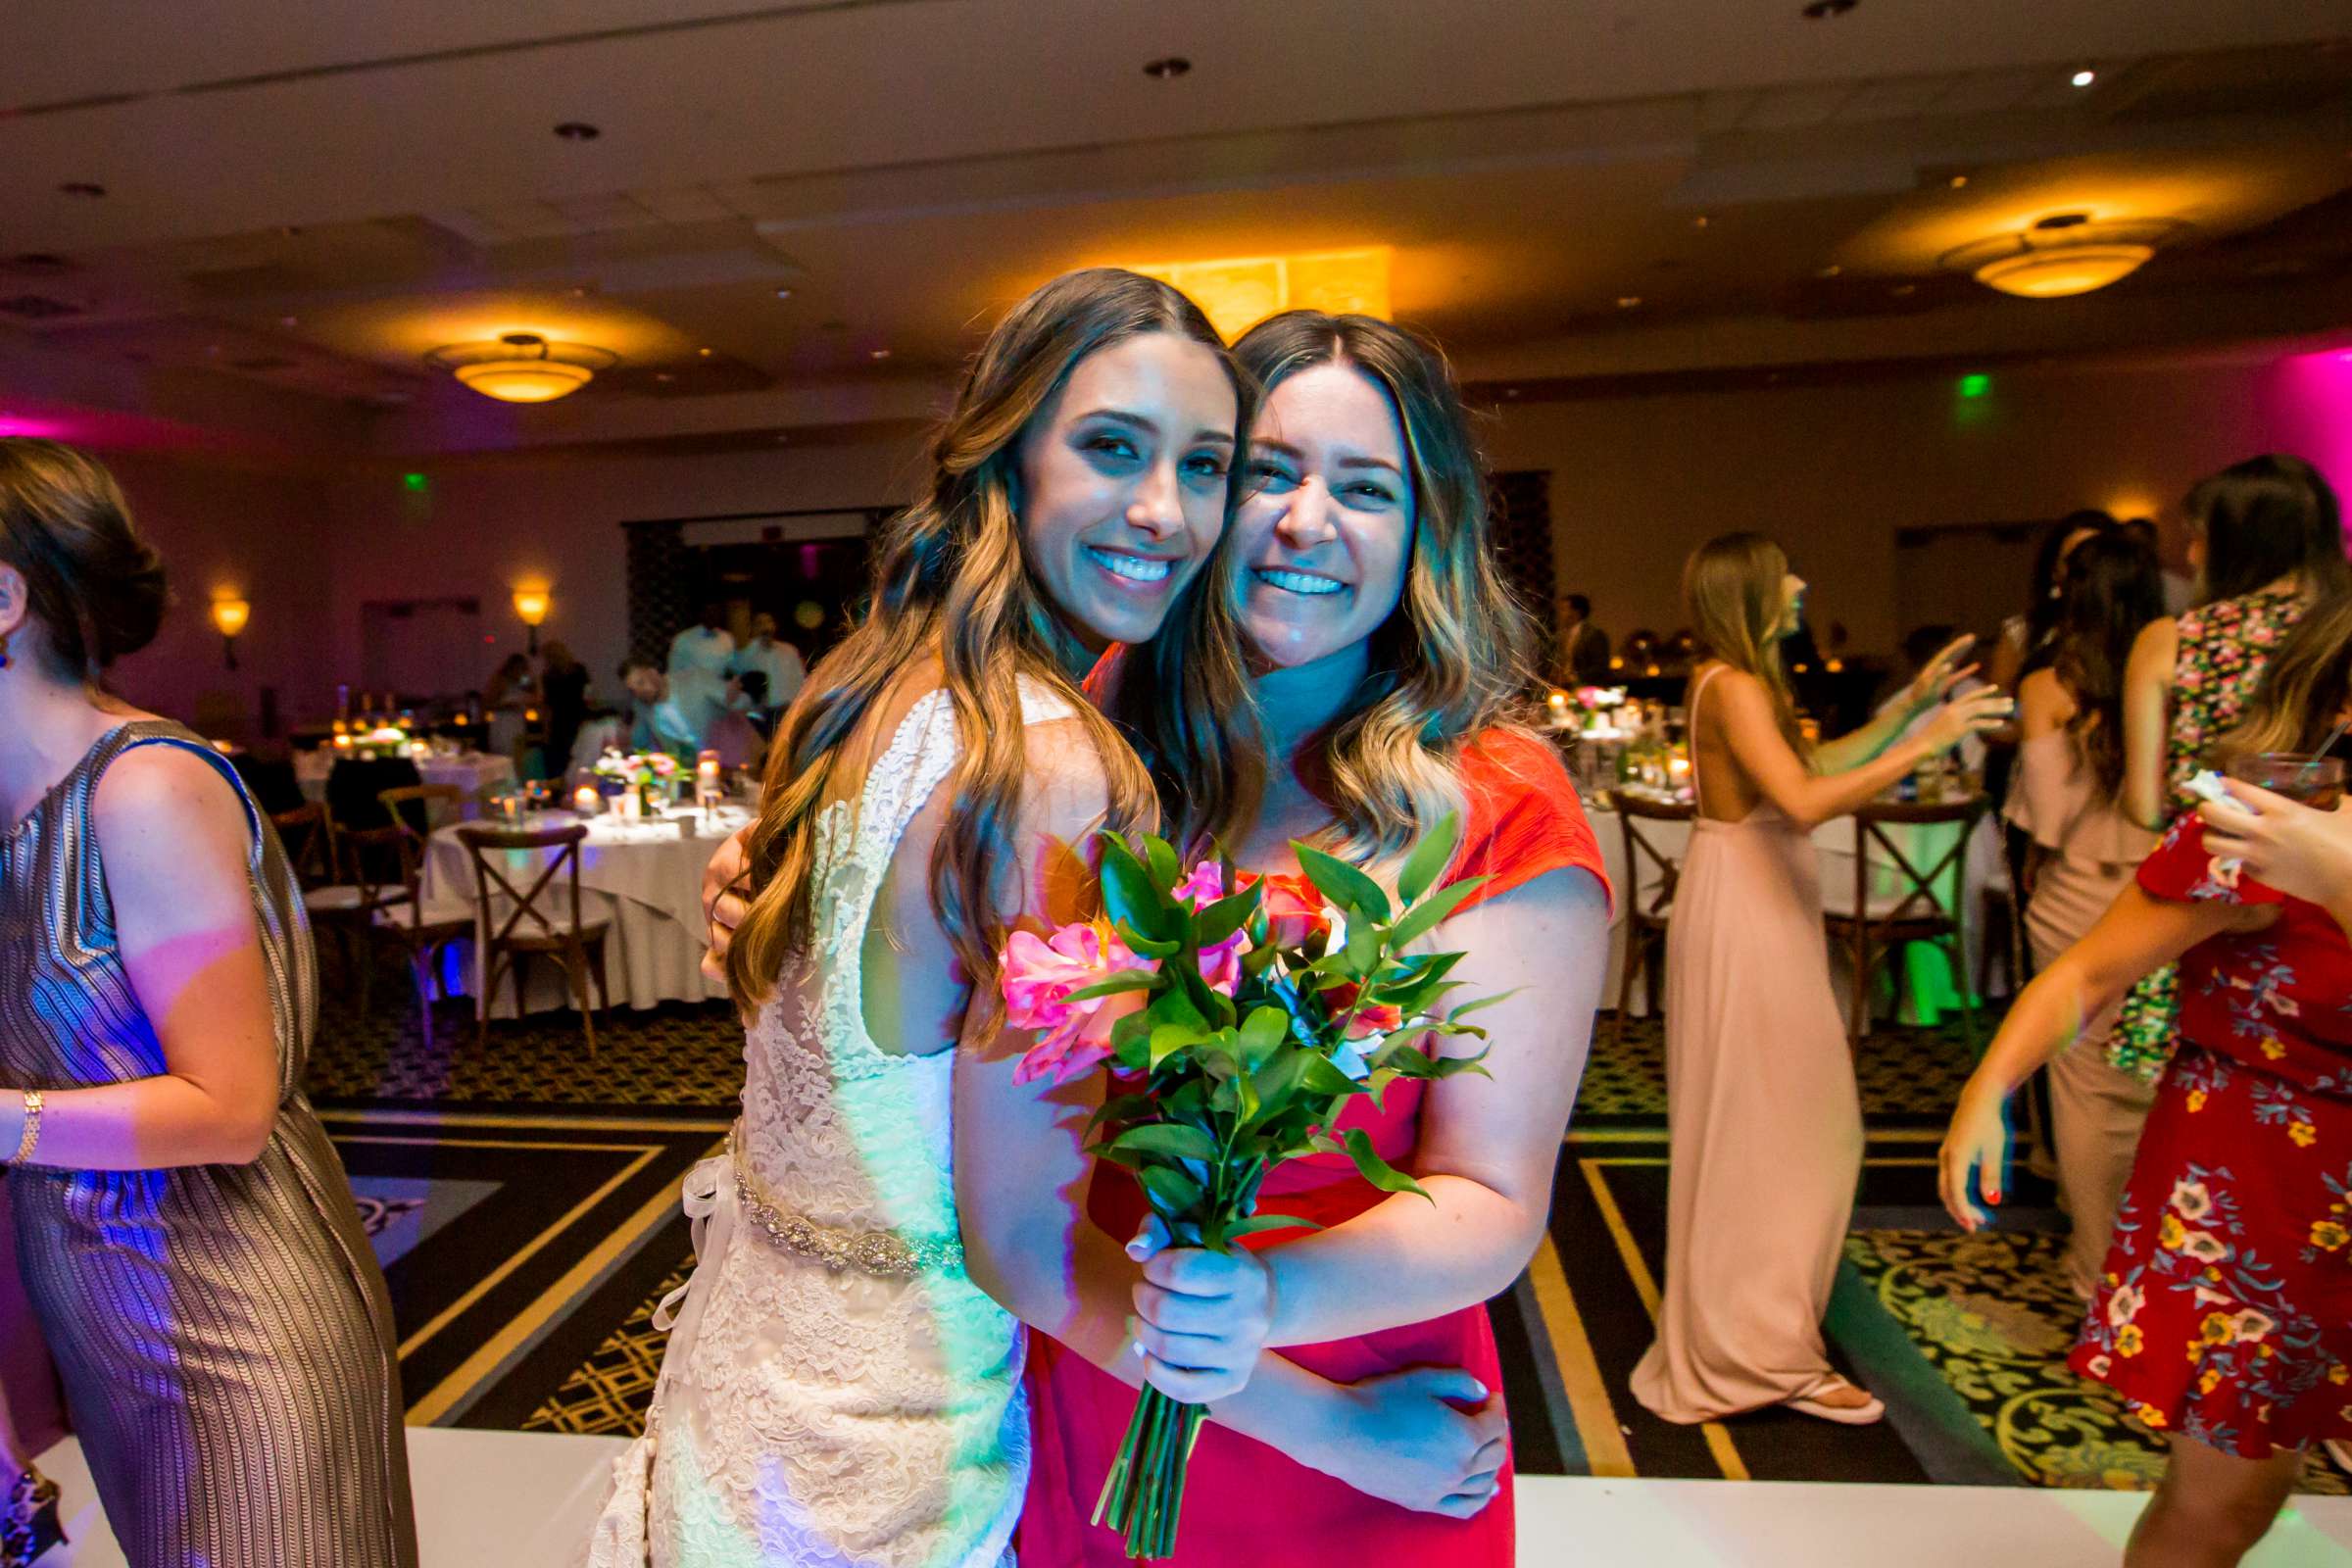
x=1974, y=386
x=415, y=484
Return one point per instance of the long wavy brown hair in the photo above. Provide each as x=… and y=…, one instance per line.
x=951, y=582
x=2111, y=588
x=1732, y=590
x=1456, y=659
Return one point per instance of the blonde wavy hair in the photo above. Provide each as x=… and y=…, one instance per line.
x=1456, y=658
x=1732, y=591
x=2304, y=689
x=951, y=581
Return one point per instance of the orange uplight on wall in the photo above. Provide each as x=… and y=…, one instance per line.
x=229, y=616
x=1238, y=292
x=531, y=606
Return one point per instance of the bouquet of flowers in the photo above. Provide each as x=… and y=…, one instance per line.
x=646, y=770
x=1243, y=1013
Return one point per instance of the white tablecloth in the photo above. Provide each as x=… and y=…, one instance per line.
x=651, y=871
x=1834, y=843
x=477, y=773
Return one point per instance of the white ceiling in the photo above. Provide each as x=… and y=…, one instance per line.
x=306, y=196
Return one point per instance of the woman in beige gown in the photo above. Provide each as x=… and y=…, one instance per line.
x=1764, y=1124
x=2066, y=796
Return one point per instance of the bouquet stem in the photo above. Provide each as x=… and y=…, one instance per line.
x=1144, y=1494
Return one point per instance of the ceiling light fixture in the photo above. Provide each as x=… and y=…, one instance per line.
x=881, y=353
x=2063, y=255
x=783, y=293
x=1628, y=302
x=1238, y=292
x=1701, y=220
x=1830, y=270
x=577, y=130
x=1824, y=10
x=1167, y=68
x=1959, y=182
x=522, y=367
x=85, y=189
x=2084, y=79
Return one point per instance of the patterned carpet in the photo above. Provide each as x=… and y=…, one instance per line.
x=1964, y=1337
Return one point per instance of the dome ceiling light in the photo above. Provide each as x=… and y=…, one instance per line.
x=2063, y=255
x=522, y=367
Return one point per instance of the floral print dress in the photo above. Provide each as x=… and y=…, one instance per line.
x=2224, y=648
x=2226, y=1310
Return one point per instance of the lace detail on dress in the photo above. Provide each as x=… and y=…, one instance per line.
x=825, y=1419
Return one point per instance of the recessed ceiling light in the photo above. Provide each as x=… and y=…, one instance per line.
x=1701, y=220
x=86, y=189
x=1959, y=182
x=2084, y=79
x=1903, y=291
x=881, y=353
x=782, y=439
x=704, y=353
x=1510, y=391
x=1830, y=270
x=1627, y=302
x=783, y=293
x=289, y=320
x=1167, y=68
x=1824, y=10
x=289, y=231
x=579, y=291
x=577, y=130
x=665, y=376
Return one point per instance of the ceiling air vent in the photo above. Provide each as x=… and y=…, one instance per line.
x=36, y=308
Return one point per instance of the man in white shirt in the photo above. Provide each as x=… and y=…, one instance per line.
x=699, y=657
x=779, y=662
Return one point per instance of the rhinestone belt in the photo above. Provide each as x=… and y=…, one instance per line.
x=881, y=1252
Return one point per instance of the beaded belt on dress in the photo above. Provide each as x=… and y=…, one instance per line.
x=882, y=1252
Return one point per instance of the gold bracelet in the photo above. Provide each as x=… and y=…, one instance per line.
x=33, y=1127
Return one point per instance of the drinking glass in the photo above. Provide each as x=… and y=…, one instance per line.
x=2316, y=781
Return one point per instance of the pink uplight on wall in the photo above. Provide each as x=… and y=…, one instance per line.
x=2305, y=407
x=18, y=424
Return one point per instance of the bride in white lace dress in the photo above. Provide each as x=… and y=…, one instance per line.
x=837, y=1390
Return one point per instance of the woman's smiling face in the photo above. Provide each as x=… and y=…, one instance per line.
x=1324, y=533
x=1122, y=483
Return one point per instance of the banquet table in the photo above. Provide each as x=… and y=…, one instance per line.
x=1930, y=989
x=477, y=774
x=650, y=873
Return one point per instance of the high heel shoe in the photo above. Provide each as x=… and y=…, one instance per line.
x=29, y=1524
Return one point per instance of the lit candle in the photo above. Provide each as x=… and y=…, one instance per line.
x=342, y=743
x=586, y=801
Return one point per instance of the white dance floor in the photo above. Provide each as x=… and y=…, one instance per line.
x=523, y=1500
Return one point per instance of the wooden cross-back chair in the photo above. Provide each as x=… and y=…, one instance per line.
x=544, y=918
x=1873, y=927
x=1646, y=918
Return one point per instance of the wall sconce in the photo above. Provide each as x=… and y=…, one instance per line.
x=230, y=616
x=531, y=606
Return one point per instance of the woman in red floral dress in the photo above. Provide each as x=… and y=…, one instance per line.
x=2224, y=1316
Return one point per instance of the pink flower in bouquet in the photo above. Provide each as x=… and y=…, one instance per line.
x=1292, y=906
x=1220, y=965
x=664, y=764
x=1038, y=978
x=1204, y=887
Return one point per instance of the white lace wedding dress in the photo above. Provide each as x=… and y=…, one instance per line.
x=836, y=1391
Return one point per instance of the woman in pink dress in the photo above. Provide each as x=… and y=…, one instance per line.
x=2065, y=798
x=1384, y=654
x=1764, y=1125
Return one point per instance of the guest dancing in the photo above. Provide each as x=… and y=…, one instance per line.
x=837, y=1389
x=1383, y=656
x=2224, y=1314
x=2066, y=799
x=2266, y=540
x=186, y=1233
x=1764, y=1124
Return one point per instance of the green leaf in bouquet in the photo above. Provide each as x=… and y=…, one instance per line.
x=1160, y=859
x=1122, y=1108
x=1423, y=917
x=1363, y=950
x=1170, y=1037
x=1323, y=1078
x=1264, y=1029
x=1374, y=1169
x=1174, y=1139
x=1114, y=985
x=1131, y=1041
x=1343, y=884
x=1142, y=945
x=1277, y=1082
x=1220, y=1064
x=1224, y=918
x=1469, y=1007
x=1128, y=894
x=1268, y=1222
x=1429, y=859
x=1175, y=1191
